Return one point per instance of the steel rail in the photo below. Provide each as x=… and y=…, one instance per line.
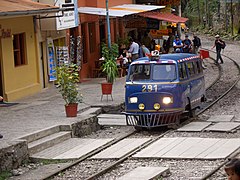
x=98, y=174
x=218, y=78
x=227, y=91
x=88, y=155
x=105, y=170
x=236, y=152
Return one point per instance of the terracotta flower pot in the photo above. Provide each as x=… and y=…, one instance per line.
x=71, y=110
x=107, y=88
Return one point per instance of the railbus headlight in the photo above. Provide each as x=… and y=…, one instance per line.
x=133, y=100
x=141, y=106
x=167, y=100
x=156, y=106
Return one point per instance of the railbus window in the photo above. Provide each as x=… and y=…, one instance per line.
x=191, y=69
x=140, y=72
x=199, y=66
x=182, y=71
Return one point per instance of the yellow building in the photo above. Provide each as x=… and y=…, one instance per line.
x=19, y=48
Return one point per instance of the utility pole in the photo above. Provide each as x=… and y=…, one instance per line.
x=179, y=24
x=108, y=26
x=232, y=16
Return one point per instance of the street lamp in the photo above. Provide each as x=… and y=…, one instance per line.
x=108, y=26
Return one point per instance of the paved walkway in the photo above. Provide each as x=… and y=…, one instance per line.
x=46, y=109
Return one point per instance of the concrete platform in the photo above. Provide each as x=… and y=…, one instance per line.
x=190, y=148
x=112, y=119
x=221, y=118
x=195, y=126
x=223, y=126
x=144, y=173
x=71, y=149
x=121, y=148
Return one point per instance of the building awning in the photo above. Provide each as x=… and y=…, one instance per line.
x=119, y=11
x=25, y=7
x=164, y=17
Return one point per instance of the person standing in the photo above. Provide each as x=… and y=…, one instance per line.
x=153, y=45
x=146, y=40
x=218, y=44
x=196, y=44
x=170, y=43
x=145, y=50
x=134, y=49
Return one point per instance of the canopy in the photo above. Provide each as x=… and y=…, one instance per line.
x=119, y=11
x=164, y=17
x=25, y=7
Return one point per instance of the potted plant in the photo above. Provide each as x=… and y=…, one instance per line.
x=67, y=82
x=109, y=67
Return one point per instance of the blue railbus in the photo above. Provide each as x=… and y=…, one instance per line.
x=160, y=88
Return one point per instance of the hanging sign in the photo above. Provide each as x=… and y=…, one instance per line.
x=69, y=17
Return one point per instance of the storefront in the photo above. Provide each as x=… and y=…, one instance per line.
x=94, y=29
x=58, y=39
x=19, y=51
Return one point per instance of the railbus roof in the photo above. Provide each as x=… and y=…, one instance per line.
x=176, y=57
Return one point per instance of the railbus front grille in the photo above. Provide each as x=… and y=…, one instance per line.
x=152, y=119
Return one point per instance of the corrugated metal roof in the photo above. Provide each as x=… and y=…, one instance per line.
x=164, y=17
x=24, y=7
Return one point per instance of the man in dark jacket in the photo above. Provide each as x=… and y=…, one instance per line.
x=196, y=44
x=218, y=44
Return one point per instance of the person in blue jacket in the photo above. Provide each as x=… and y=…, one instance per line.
x=177, y=44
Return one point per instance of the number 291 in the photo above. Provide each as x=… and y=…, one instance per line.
x=149, y=88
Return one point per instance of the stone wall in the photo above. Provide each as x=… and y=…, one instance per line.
x=85, y=127
x=13, y=155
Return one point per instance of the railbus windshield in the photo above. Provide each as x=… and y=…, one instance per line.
x=160, y=72
x=164, y=72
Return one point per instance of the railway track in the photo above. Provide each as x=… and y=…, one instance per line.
x=214, y=102
x=113, y=165
x=206, y=107
x=225, y=91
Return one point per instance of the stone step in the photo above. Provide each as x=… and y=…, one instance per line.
x=45, y=132
x=112, y=119
x=93, y=110
x=48, y=141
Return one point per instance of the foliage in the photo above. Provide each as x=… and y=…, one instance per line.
x=5, y=175
x=198, y=8
x=109, y=66
x=67, y=82
x=123, y=41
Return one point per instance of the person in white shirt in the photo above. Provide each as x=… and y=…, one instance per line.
x=134, y=49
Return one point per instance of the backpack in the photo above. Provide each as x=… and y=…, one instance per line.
x=223, y=45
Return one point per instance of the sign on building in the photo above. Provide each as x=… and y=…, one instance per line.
x=64, y=19
x=69, y=18
x=51, y=60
